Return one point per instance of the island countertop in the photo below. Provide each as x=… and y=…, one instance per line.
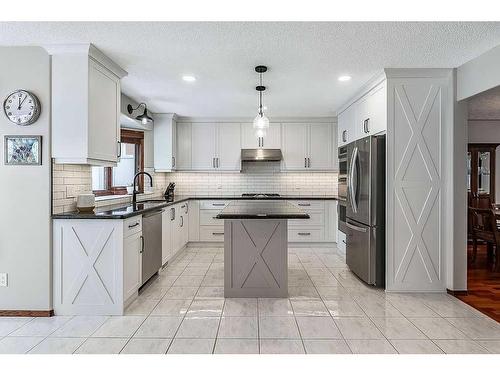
x=261, y=209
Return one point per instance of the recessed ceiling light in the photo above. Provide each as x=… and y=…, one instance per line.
x=344, y=78
x=264, y=108
x=189, y=78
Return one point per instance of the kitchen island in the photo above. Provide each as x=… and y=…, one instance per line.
x=256, y=247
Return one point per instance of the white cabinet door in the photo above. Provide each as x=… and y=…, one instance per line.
x=164, y=142
x=345, y=133
x=272, y=139
x=132, y=259
x=166, y=236
x=378, y=109
x=203, y=144
x=320, y=147
x=104, y=108
x=184, y=224
x=228, y=147
x=295, y=146
x=183, y=154
x=176, y=229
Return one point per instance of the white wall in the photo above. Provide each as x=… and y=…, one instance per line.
x=479, y=74
x=25, y=201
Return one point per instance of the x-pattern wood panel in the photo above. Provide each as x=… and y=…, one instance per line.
x=88, y=271
x=417, y=146
x=259, y=263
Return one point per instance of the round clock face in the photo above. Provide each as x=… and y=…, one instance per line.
x=22, y=107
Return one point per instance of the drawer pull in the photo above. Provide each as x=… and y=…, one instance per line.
x=304, y=204
x=218, y=204
x=133, y=225
x=217, y=233
x=304, y=233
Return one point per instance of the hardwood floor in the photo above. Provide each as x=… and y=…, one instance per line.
x=483, y=285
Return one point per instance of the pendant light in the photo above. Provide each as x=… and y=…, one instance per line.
x=261, y=122
x=144, y=118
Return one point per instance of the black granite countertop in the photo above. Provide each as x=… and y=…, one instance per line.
x=123, y=211
x=261, y=209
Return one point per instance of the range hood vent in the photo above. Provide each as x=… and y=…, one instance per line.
x=261, y=154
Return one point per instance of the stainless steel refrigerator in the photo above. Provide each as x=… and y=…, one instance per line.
x=365, y=211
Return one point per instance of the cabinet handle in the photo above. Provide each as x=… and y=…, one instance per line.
x=213, y=162
x=217, y=233
x=119, y=149
x=173, y=161
x=187, y=208
x=217, y=162
x=308, y=162
x=262, y=141
x=142, y=245
x=305, y=162
x=366, y=125
x=172, y=214
x=182, y=221
x=218, y=204
x=344, y=136
x=304, y=233
x=133, y=225
x=304, y=204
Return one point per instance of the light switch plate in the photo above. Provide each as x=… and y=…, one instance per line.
x=3, y=279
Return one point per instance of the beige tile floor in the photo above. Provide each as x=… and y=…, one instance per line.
x=328, y=311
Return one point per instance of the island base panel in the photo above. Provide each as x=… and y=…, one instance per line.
x=255, y=258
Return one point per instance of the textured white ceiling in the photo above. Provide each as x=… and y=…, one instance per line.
x=485, y=106
x=304, y=59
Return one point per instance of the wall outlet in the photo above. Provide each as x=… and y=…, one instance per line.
x=3, y=279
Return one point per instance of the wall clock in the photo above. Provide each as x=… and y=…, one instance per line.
x=22, y=107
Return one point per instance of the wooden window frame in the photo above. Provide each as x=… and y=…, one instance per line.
x=131, y=137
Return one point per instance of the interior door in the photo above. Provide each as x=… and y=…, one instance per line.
x=320, y=147
x=229, y=147
x=295, y=146
x=203, y=145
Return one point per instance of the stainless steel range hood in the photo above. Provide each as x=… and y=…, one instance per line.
x=261, y=154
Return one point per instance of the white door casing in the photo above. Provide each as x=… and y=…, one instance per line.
x=415, y=212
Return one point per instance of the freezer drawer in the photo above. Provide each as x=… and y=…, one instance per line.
x=360, y=251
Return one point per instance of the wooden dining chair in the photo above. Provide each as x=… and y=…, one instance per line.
x=484, y=227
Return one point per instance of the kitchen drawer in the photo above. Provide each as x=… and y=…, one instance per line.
x=309, y=205
x=213, y=205
x=207, y=217
x=317, y=218
x=213, y=233
x=306, y=235
x=132, y=225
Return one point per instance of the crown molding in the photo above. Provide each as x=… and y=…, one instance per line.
x=331, y=119
x=89, y=50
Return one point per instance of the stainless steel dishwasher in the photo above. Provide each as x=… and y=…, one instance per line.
x=151, y=254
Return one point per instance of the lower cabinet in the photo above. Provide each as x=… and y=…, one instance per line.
x=97, y=265
x=175, y=229
x=166, y=237
x=132, y=264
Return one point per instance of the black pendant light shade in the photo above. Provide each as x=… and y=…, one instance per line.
x=144, y=118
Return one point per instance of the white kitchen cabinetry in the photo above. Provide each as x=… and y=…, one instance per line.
x=85, y=106
x=215, y=147
x=184, y=212
x=366, y=116
x=308, y=146
x=272, y=139
x=166, y=236
x=346, y=120
x=132, y=262
x=177, y=236
x=183, y=154
x=211, y=229
x=96, y=265
x=165, y=142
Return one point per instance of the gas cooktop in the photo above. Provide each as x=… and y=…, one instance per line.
x=260, y=195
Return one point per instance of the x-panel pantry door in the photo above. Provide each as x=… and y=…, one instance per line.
x=417, y=112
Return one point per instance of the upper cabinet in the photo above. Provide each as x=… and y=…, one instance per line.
x=183, y=152
x=272, y=138
x=308, y=147
x=366, y=116
x=165, y=142
x=208, y=146
x=85, y=106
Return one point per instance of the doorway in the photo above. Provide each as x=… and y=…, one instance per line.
x=483, y=213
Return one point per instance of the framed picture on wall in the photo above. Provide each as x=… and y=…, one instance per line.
x=23, y=150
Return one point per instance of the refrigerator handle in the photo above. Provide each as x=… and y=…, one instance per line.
x=356, y=228
x=352, y=193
